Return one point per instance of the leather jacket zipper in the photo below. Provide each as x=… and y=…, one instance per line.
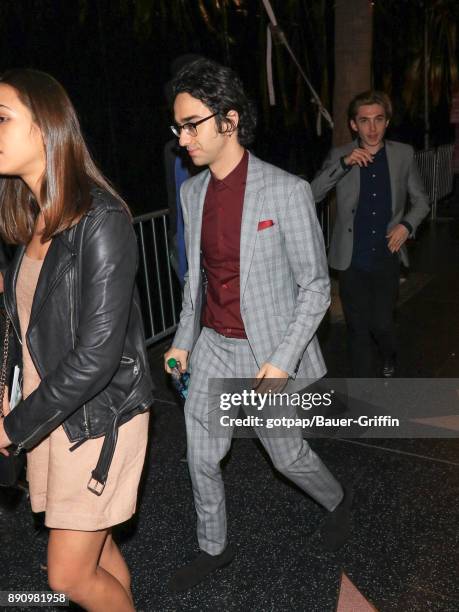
x=85, y=421
x=130, y=361
x=20, y=446
x=73, y=308
x=12, y=322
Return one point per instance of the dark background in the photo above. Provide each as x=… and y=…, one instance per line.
x=113, y=57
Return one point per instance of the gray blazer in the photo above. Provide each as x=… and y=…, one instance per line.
x=285, y=287
x=404, y=180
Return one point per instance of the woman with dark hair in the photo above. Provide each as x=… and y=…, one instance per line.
x=71, y=297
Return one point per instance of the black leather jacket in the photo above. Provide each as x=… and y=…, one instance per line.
x=85, y=336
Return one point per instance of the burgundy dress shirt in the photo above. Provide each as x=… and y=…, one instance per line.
x=220, y=246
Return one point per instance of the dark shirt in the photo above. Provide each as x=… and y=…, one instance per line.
x=220, y=246
x=374, y=212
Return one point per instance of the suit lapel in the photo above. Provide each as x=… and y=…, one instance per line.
x=391, y=155
x=198, y=195
x=58, y=259
x=253, y=205
x=354, y=176
x=355, y=184
x=11, y=277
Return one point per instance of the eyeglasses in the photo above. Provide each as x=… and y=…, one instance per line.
x=189, y=128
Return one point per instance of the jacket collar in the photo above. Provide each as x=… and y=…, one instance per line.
x=57, y=260
x=197, y=194
x=251, y=214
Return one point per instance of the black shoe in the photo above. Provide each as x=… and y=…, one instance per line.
x=336, y=528
x=388, y=369
x=203, y=565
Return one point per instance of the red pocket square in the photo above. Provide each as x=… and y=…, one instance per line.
x=265, y=224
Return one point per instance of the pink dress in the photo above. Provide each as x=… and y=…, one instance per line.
x=57, y=477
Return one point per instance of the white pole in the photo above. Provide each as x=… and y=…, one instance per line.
x=315, y=97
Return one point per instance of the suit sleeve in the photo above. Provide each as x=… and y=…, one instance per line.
x=328, y=176
x=108, y=276
x=419, y=199
x=184, y=335
x=306, y=255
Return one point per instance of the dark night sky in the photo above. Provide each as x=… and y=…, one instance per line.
x=115, y=75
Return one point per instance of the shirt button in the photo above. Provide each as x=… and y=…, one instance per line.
x=374, y=195
x=225, y=286
x=373, y=232
x=373, y=213
x=349, y=229
x=373, y=250
x=353, y=210
x=373, y=175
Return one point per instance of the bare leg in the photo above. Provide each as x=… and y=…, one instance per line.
x=73, y=568
x=112, y=561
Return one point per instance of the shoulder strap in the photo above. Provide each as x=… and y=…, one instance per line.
x=6, y=342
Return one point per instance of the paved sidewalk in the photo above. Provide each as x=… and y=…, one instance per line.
x=403, y=553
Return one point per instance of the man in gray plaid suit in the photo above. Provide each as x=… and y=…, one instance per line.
x=253, y=229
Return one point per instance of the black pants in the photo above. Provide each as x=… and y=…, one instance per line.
x=368, y=300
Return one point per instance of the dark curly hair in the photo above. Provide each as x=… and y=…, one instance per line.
x=221, y=90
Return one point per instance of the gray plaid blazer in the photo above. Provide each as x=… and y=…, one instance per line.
x=284, y=282
x=404, y=180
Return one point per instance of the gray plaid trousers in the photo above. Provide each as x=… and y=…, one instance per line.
x=216, y=356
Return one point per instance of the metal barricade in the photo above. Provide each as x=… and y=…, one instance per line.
x=426, y=161
x=436, y=169
x=160, y=292
x=444, y=174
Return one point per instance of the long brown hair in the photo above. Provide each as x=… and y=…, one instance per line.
x=70, y=171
